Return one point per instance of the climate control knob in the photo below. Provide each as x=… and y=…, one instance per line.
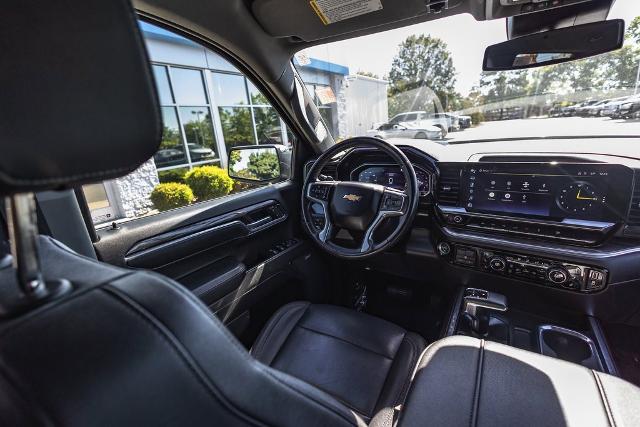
x=497, y=263
x=558, y=275
x=444, y=248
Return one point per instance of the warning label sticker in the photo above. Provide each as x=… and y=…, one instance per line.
x=330, y=11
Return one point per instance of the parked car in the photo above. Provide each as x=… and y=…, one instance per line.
x=582, y=110
x=629, y=108
x=200, y=153
x=406, y=130
x=421, y=118
x=453, y=123
x=610, y=109
x=465, y=122
x=595, y=110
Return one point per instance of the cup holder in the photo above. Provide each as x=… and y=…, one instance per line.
x=568, y=345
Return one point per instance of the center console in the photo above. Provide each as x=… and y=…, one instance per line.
x=484, y=314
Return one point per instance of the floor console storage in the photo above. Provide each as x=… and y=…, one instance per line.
x=553, y=273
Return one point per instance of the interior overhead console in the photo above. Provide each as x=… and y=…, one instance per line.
x=526, y=17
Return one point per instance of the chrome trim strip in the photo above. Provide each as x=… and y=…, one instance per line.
x=568, y=223
x=586, y=339
x=449, y=233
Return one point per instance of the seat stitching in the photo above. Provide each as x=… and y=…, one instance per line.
x=380, y=392
x=263, y=338
x=603, y=397
x=405, y=385
x=53, y=305
x=182, y=354
x=476, y=391
x=264, y=342
x=343, y=340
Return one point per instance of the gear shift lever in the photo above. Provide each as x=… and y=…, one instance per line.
x=475, y=304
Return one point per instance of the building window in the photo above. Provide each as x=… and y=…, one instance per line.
x=198, y=131
x=171, y=152
x=188, y=136
x=246, y=116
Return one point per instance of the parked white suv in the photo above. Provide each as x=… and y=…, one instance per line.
x=421, y=119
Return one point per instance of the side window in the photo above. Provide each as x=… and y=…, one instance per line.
x=207, y=106
x=411, y=117
x=397, y=119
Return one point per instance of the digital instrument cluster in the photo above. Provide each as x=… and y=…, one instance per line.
x=597, y=192
x=391, y=176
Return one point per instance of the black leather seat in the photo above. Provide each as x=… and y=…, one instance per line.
x=463, y=381
x=363, y=361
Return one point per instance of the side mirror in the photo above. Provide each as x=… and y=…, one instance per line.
x=254, y=163
x=397, y=127
x=555, y=46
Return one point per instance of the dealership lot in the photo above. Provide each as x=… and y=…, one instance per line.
x=547, y=127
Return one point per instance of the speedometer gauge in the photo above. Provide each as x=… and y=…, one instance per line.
x=579, y=197
x=392, y=176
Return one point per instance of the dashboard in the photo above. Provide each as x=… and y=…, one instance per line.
x=530, y=211
x=579, y=200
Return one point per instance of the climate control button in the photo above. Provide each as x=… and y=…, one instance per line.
x=558, y=275
x=498, y=263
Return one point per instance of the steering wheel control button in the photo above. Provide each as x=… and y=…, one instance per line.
x=392, y=202
x=444, y=248
x=498, y=264
x=319, y=191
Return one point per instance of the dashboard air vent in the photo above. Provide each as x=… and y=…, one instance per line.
x=634, y=212
x=448, y=189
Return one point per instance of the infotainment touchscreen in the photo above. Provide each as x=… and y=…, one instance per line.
x=581, y=191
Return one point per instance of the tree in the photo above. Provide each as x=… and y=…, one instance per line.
x=422, y=74
x=367, y=74
x=236, y=126
x=263, y=165
x=633, y=30
x=504, y=85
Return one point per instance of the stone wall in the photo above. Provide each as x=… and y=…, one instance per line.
x=134, y=190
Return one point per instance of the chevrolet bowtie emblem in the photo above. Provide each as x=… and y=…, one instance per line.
x=352, y=197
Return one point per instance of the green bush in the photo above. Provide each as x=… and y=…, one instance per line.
x=170, y=195
x=477, y=118
x=172, y=175
x=208, y=182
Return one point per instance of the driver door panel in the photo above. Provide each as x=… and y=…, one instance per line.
x=230, y=253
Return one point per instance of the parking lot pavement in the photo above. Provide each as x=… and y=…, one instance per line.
x=547, y=127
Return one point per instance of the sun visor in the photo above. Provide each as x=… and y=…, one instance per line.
x=78, y=98
x=319, y=19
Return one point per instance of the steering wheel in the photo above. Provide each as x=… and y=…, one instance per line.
x=359, y=207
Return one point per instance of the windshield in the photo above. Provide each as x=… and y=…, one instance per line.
x=426, y=82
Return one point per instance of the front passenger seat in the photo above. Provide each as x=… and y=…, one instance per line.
x=363, y=361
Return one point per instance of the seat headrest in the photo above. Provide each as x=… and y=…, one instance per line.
x=78, y=101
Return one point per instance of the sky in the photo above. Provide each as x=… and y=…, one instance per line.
x=465, y=37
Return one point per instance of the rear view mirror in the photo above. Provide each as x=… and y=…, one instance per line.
x=254, y=163
x=555, y=46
